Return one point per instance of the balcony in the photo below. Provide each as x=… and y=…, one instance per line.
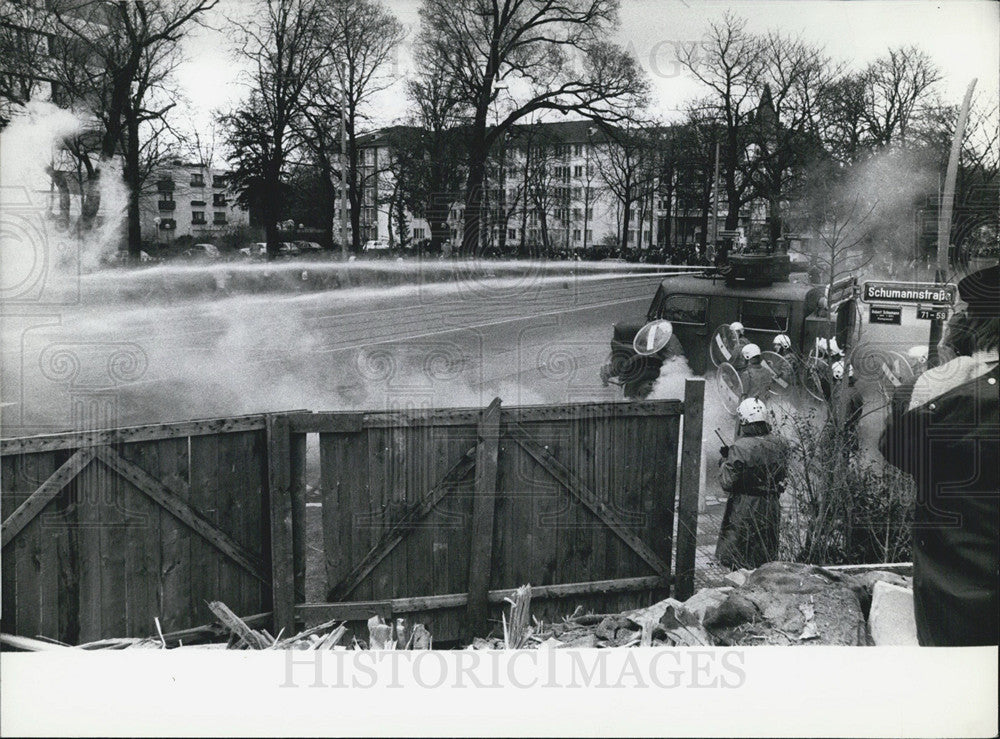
x=197, y=203
x=166, y=205
x=197, y=182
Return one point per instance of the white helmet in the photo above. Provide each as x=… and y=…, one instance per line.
x=837, y=368
x=834, y=347
x=918, y=353
x=822, y=345
x=750, y=351
x=781, y=341
x=737, y=327
x=751, y=410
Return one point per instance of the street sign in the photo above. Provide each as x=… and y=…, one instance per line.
x=909, y=292
x=891, y=314
x=932, y=312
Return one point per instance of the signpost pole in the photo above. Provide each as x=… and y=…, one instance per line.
x=944, y=220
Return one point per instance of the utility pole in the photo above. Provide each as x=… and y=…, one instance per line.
x=944, y=219
x=715, y=205
x=343, y=177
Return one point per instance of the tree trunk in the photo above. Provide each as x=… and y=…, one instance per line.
x=354, y=187
x=132, y=182
x=626, y=214
x=473, y=204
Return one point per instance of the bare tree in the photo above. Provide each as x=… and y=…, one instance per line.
x=363, y=36
x=628, y=163
x=23, y=49
x=282, y=43
x=729, y=61
x=786, y=125
x=554, y=55
x=118, y=60
x=895, y=84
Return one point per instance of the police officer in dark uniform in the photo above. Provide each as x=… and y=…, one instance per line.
x=944, y=430
x=752, y=470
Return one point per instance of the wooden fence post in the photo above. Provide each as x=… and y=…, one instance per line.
x=687, y=504
x=282, y=537
x=483, y=505
x=297, y=486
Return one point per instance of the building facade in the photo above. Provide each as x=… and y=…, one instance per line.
x=189, y=200
x=549, y=187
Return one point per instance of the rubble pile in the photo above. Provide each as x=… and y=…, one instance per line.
x=779, y=603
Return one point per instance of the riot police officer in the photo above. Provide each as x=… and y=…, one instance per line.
x=752, y=470
x=754, y=376
x=853, y=405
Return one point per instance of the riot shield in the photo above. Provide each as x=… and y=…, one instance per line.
x=781, y=370
x=652, y=337
x=729, y=386
x=723, y=345
x=817, y=378
x=884, y=368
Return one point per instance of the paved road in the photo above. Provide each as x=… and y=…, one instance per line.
x=531, y=340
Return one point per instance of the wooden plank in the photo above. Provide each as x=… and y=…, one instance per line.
x=45, y=492
x=205, y=472
x=280, y=498
x=326, y=423
x=170, y=499
x=316, y=613
x=29, y=544
x=481, y=530
x=176, y=608
x=575, y=486
x=232, y=462
x=255, y=518
x=397, y=533
x=297, y=487
x=114, y=597
x=687, y=504
x=8, y=559
x=319, y=612
x=142, y=561
x=104, y=437
x=91, y=484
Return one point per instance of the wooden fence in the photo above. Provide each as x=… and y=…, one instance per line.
x=435, y=515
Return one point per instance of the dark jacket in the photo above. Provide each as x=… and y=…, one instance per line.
x=756, y=465
x=756, y=381
x=949, y=441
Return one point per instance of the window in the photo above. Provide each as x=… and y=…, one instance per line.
x=533, y=234
x=578, y=170
x=631, y=235
x=764, y=315
x=219, y=181
x=578, y=150
x=197, y=203
x=590, y=213
x=197, y=180
x=577, y=192
x=576, y=234
x=418, y=233
x=577, y=214
x=590, y=235
x=218, y=199
x=690, y=309
x=198, y=216
x=511, y=233
x=219, y=217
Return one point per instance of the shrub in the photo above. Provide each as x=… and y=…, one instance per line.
x=842, y=507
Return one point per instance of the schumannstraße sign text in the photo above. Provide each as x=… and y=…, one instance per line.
x=908, y=292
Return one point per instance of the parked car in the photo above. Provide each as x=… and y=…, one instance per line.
x=257, y=250
x=202, y=252
x=377, y=247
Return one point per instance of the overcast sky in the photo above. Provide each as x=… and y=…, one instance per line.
x=961, y=36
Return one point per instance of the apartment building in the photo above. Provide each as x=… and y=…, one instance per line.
x=187, y=199
x=546, y=187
